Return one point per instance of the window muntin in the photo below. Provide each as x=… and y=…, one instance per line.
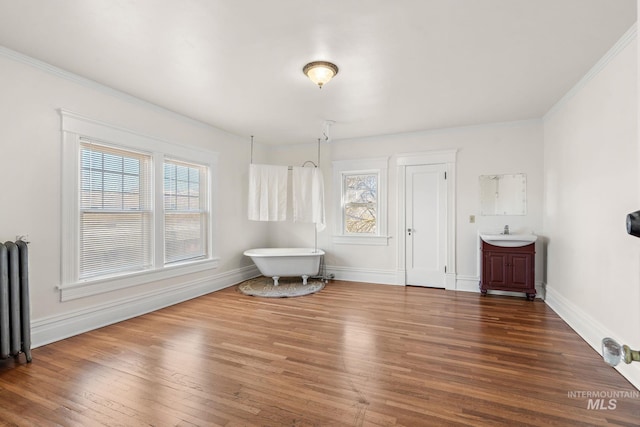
x=77, y=129
x=115, y=218
x=185, y=211
x=360, y=203
x=116, y=215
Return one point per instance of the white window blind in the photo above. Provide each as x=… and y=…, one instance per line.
x=185, y=211
x=114, y=221
x=115, y=210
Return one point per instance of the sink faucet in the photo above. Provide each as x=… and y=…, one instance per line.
x=506, y=229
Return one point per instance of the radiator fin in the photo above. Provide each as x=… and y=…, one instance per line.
x=15, y=324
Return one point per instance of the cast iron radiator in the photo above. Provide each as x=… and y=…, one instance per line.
x=15, y=323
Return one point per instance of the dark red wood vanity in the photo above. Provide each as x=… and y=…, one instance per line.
x=508, y=269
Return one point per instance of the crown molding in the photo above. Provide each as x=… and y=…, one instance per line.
x=92, y=84
x=441, y=130
x=618, y=47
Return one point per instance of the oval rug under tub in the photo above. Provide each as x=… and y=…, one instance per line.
x=288, y=287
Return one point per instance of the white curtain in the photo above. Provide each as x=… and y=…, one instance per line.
x=308, y=196
x=267, y=192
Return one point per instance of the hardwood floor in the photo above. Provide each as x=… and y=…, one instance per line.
x=352, y=355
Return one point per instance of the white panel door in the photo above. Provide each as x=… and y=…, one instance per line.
x=426, y=220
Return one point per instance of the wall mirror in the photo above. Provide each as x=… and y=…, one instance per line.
x=503, y=194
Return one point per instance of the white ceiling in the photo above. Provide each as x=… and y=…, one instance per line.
x=405, y=65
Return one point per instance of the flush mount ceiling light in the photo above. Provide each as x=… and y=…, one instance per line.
x=320, y=72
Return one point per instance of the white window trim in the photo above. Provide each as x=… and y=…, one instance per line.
x=350, y=167
x=203, y=193
x=75, y=126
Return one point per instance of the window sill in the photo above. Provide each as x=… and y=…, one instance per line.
x=85, y=288
x=362, y=240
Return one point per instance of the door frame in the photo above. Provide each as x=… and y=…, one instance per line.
x=448, y=158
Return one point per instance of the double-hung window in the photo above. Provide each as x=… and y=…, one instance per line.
x=135, y=209
x=361, y=187
x=115, y=210
x=185, y=213
x=360, y=203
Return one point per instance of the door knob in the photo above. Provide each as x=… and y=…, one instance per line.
x=409, y=230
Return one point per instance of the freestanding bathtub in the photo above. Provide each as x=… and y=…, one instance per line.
x=284, y=262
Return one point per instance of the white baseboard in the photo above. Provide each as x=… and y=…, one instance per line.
x=590, y=330
x=467, y=283
x=369, y=275
x=450, y=281
x=54, y=328
x=381, y=277
x=472, y=284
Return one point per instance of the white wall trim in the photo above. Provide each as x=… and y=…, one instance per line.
x=57, y=327
x=472, y=284
x=440, y=131
x=368, y=275
x=426, y=158
x=620, y=45
x=590, y=330
x=397, y=277
x=448, y=158
x=87, y=126
x=361, y=240
x=467, y=283
x=83, y=289
x=449, y=281
x=73, y=127
x=92, y=84
x=378, y=166
x=434, y=131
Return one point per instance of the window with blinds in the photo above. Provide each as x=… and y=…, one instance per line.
x=136, y=209
x=185, y=211
x=115, y=210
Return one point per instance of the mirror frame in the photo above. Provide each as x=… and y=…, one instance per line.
x=503, y=194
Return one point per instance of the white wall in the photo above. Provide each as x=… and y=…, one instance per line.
x=30, y=161
x=31, y=155
x=583, y=158
x=489, y=149
x=583, y=177
x=591, y=184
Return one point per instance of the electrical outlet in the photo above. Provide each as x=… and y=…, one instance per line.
x=472, y=219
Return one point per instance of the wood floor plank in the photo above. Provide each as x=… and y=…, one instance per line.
x=354, y=354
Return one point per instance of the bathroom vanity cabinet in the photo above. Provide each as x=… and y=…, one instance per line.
x=508, y=269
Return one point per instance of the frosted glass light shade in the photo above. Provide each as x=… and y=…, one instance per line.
x=320, y=72
x=611, y=351
x=614, y=353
